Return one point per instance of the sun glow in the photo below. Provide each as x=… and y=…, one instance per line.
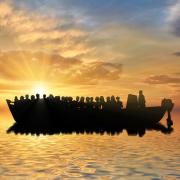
x=40, y=89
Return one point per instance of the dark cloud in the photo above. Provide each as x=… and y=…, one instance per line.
x=174, y=18
x=162, y=79
x=177, y=53
x=176, y=27
x=93, y=12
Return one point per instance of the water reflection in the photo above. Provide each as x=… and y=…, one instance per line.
x=110, y=130
x=86, y=156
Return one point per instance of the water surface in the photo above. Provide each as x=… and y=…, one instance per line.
x=153, y=156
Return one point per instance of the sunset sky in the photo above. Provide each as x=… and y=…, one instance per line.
x=89, y=48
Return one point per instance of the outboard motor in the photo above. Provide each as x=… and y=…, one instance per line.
x=168, y=105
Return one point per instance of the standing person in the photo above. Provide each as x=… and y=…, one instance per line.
x=119, y=104
x=142, y=101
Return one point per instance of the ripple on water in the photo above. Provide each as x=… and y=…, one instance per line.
x=155, y=156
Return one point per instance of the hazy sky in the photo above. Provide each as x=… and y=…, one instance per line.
x=94, y=47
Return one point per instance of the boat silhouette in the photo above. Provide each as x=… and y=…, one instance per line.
x=53, y=112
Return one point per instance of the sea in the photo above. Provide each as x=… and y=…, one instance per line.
x=155, y=155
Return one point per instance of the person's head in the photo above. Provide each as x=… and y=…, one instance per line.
x=117, y=98
x=113, y=98
x=66, y=98
x=91, y=99
x=140, y=92
x=97, y=99
x=62, y=98
x=44, y=96
x=22, y=98
x=108, y=99
x=51, y=96
x=27, y=96
x=87, y=99
x=77, y=98
x=82, y=99
x=15, y=98
x=101, y=98
x=32, y=97
x=37, y=96
x=70, y=99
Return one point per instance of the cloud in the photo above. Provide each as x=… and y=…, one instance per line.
x=40, y=66
x=177, y=53
x=28, y=65
x=94, y=72
x=174, y=18
x=5, y=9
x=32, y=29
x=162, y=79
x=12, y=85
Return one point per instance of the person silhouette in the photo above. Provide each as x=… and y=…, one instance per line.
x=102, y=102
x=37, y=96
x=107, y=104
x=87, y=99
x=91, y=102
x=77, y=98
x=97, y=103
x=141, y=100
x=51, y=97
x=27, y=97
x=22, y=98
x=113, y=99
x=82, y=99
x=15, y=99
x=119, y=103
x=70, y=99
x=91, y=99
x=87, y=103
x=44, y=96
x=32, y=98
x=81, y=102
x=108, y=99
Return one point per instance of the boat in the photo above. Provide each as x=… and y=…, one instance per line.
x=52, y=112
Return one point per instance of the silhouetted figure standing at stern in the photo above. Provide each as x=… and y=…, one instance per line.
x=141, y=100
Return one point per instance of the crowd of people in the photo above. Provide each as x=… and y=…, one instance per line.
x=99, y=102
x=113, y=103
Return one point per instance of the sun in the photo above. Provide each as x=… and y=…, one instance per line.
x=40, y=89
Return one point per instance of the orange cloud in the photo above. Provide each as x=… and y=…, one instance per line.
x=163, y=79
x=34, y=66
x=34, y=30
x=5, y=9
